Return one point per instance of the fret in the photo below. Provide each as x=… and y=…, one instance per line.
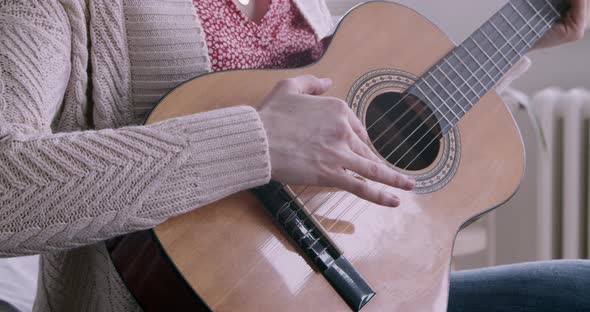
x=550, y=5
x=481, y=66
x=479, y=93
x=507, y=49
x=507, y=40
x=510, y=20
x=454, y=71
x=478, y=44
x=443, y=102
x=451, y=96
x=437, y=92
x=466, y=83
x=502, y=55
x=472, y=72
x=517, y=32
x=461, y=82
x=535, y=34
x=548, y=19
x=525, y=20
x=537, y=29
x=483, y=32
x=487, y=55
x=460, y=79
x=435, y=106
x=521, y=43
x=437, y=67
x=537, y=13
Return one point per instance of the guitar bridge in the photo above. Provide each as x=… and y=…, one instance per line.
x=300, y=226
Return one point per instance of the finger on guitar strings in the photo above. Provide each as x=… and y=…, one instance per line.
x=366, y=190
x=361, y=148
x=378, y=171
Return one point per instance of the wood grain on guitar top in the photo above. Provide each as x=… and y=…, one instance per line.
x=236, y=259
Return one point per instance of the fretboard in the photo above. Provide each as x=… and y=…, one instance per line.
x=457, y=82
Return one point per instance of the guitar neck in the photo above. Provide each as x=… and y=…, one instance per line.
x=474, y=67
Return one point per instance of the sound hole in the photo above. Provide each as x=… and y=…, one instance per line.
x=404, y=130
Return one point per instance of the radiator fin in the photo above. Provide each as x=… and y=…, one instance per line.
x=563, y=174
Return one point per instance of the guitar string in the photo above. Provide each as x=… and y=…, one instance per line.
x=419, y=141
x=354, y=202
x=327, y=197
x=362, y=209
x=548, y=24
x=323, y=200
x=328, y=212
x=458, y=89
x=295, y=212
x=533, y=29
x=500, y=73
x=412, y=88
x=500, y=12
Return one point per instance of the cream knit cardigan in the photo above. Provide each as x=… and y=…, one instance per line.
x=76, y=79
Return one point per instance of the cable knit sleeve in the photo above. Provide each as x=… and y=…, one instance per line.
x=64, y=190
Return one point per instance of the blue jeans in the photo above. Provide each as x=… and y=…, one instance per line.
x=562, y=285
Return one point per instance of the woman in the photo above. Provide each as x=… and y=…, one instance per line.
x=77, y=77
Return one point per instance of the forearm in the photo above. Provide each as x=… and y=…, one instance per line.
x=66, y=190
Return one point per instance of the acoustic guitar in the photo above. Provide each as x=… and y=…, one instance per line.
x=431, y=113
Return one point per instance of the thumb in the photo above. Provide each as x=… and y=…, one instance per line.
x=312, y=85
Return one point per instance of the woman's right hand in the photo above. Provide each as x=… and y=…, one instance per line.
x=314, y=139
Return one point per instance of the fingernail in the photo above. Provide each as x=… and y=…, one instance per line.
x=394, y=201
x=327, y=80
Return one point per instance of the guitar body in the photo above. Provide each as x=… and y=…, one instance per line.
x=235, y=257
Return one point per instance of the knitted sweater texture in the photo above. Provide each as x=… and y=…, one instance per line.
x=77, y=77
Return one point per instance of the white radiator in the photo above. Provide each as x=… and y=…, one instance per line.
x=563, y=170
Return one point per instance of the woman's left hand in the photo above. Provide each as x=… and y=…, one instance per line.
x=571, y=27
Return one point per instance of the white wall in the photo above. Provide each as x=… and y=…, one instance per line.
x=448, y=14
x=567, y=67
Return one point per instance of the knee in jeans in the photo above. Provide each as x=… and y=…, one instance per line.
x=571, y=274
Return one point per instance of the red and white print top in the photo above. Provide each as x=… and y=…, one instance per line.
x=282, y=39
